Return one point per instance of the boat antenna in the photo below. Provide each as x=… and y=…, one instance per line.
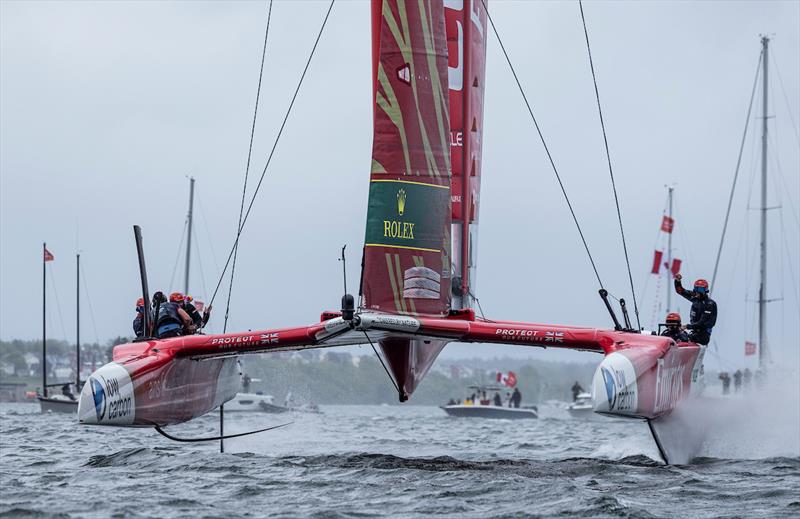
x=344, y=267
x=610, y=169
x=348, y=302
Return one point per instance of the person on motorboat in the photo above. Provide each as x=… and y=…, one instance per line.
x=576, y=390
x=172, y=319
x=737, y=380
x=497, y=400
x=703, y=315
x=516, y=398
x=674, y=330
x=726, y=382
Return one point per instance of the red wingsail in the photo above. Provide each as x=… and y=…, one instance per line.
x=407, y=244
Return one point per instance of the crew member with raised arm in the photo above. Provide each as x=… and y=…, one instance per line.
x=703, y=315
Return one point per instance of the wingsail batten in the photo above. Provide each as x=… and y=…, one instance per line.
x=407, y=240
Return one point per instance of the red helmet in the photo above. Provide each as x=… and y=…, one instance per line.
x=701, y=285
x=140, y=302
x=176, y=297
x=673, y=318
x=188, y=298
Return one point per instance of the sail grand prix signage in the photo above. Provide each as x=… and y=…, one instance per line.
x=406, y=214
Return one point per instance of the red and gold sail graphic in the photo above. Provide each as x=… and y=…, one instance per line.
x=466, y=28
x=407, y=261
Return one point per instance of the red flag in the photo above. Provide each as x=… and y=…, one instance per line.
x=657, y=262
x=48, y=256
x=749, y=348
x=667, y=224
x=676, y=266
x=511, y=380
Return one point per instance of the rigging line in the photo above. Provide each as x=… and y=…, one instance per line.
x=544, y=144
x=274, y=145
x=178, y=255
x=479, y=306
x=247, y=169
x=58, y=304
x=775, y=154
x=610, y=169
x=736, y=173
x=208, y=233
x=785, y=97
x=89, y=301
x=382, y=364
x=200, y=263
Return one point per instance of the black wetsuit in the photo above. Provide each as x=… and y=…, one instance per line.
x=676, y=334
x=197, y=319
x=703, y=315
x=138, y=325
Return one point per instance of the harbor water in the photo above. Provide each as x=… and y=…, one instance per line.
x=365, y=461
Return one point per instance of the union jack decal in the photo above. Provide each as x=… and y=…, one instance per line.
x=269, y=338
x=554, y=337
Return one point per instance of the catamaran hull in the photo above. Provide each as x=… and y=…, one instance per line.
x=157, y=390
x=646, y=382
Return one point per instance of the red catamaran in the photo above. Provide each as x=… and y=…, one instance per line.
x=419, y=255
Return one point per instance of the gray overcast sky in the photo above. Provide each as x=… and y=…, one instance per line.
x=107, y=107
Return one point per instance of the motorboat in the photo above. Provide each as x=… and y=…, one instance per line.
x=251, y=402
x=582, y=406
x=491, y=411
x=489, y=408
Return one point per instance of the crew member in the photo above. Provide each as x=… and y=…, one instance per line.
x=703, y=315
x=497, y=400
x=198, y=320
x=172, y=319
x=674, y=329
x=138, y=322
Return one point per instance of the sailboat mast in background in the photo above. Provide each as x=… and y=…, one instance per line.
x=762, y=290
x=189, y=235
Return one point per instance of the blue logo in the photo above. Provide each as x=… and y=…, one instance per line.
x=99, y=395
x=611, y=391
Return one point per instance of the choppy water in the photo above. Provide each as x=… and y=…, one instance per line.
x=375, y=461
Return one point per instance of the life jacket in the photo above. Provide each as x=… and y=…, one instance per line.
x=168, y=314
x=138, y=325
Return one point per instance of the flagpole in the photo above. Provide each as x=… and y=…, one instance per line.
x=44, y=321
